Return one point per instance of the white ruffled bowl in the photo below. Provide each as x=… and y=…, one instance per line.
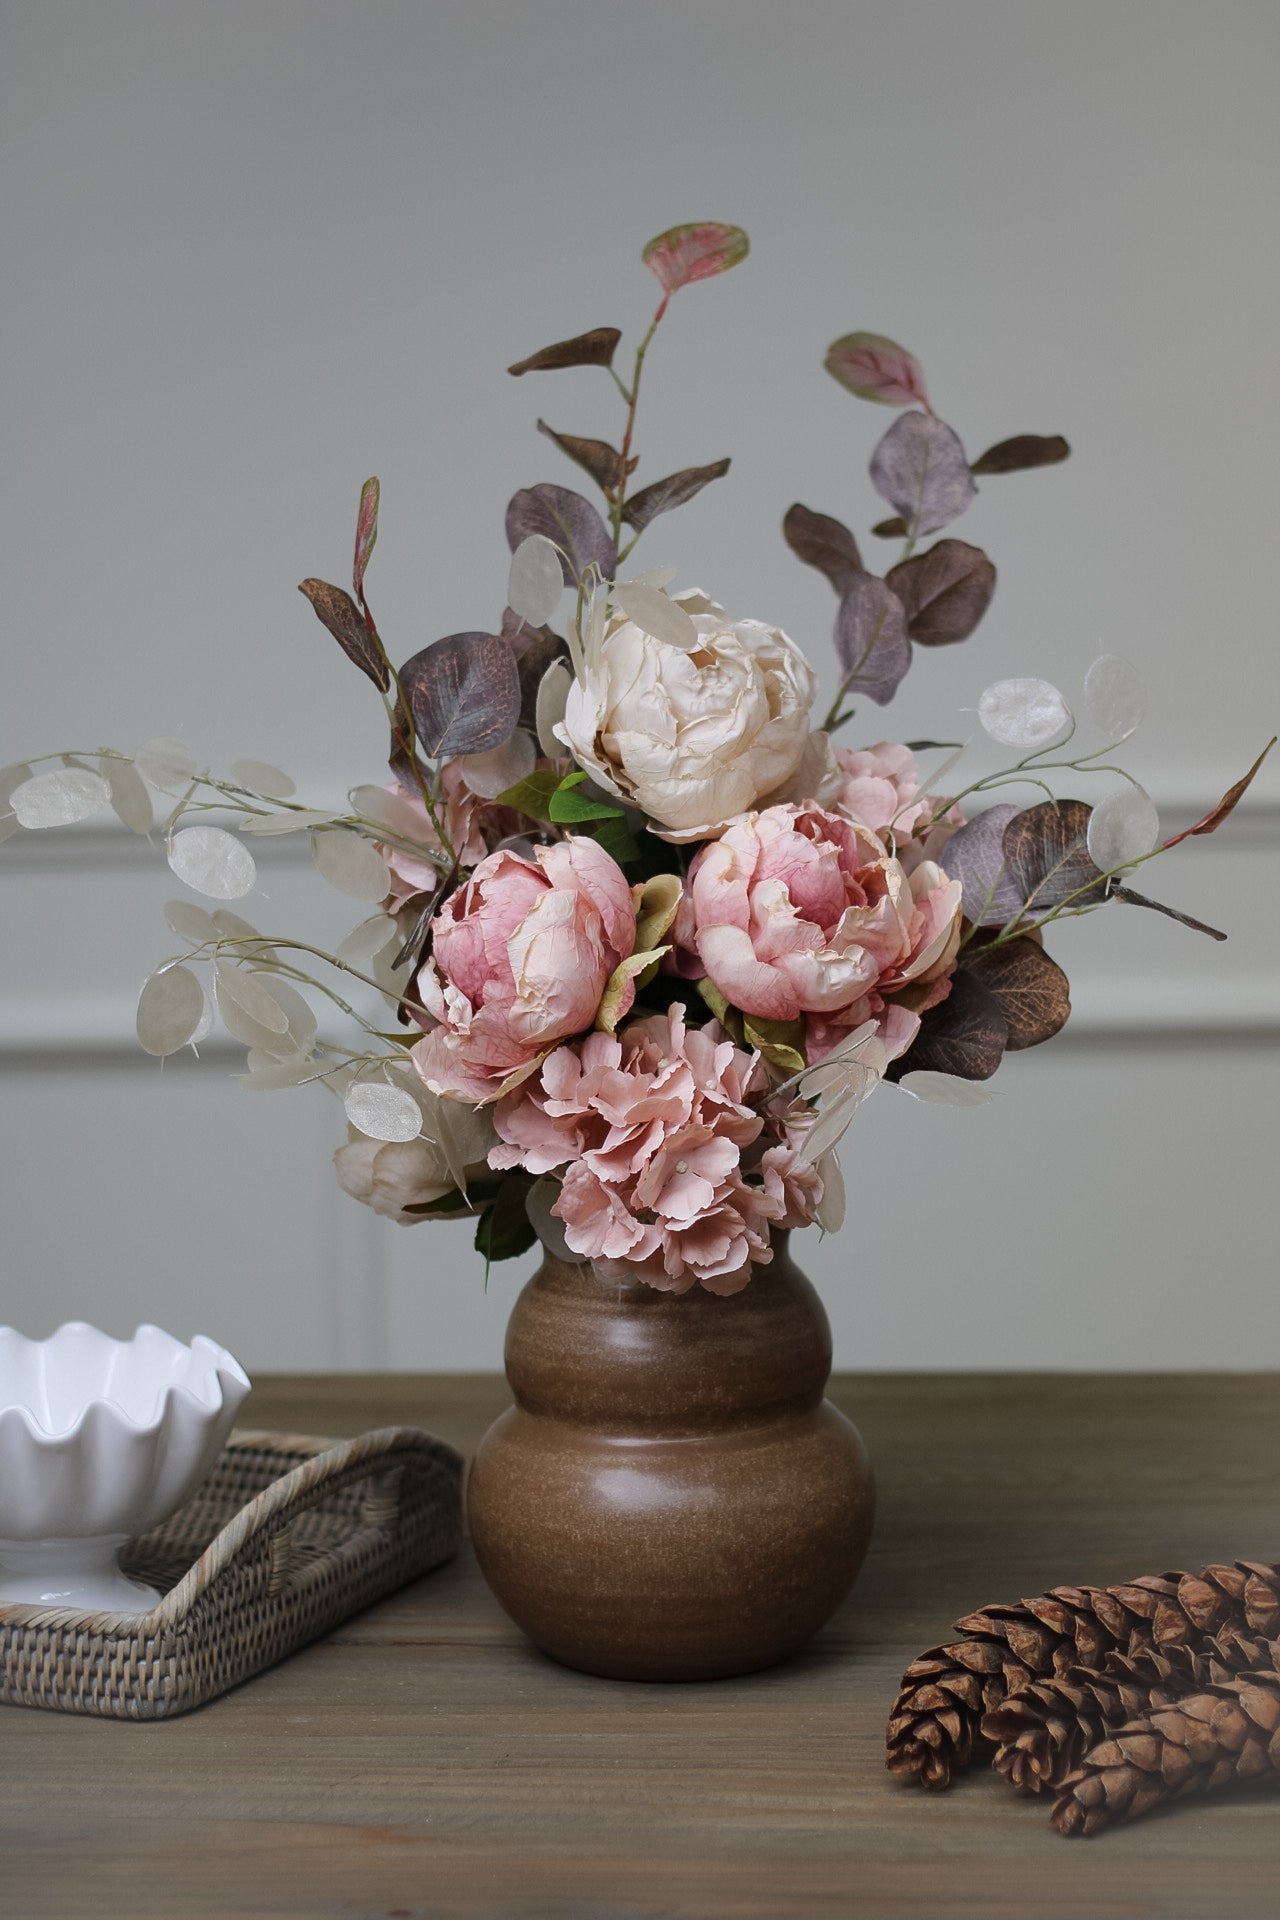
x=100, y=1440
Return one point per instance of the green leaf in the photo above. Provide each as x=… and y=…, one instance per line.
x=618, y=841
x=780, y=1041
x=504, y=1229
x=532, y=795
x=729, y=1017
x=451, y=1202
x=566, y=807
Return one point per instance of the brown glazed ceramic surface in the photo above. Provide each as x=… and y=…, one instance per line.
x=670, y=1498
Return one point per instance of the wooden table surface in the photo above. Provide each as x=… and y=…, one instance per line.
x=424, y=1761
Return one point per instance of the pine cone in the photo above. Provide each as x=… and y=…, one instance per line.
x=936, y=1725
x=1043, y=1731
x=1196, y=1745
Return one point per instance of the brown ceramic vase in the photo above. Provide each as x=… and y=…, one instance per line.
x=670, y=1498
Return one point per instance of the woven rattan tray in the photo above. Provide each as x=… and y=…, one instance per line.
x=289, y=1536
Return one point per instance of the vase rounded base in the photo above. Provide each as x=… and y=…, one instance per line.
x=693, y=1557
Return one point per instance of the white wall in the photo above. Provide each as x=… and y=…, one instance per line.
x=256, y=251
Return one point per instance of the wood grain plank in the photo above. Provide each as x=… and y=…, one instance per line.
x=423, y=1761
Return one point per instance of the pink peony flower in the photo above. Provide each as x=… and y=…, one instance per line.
x=654, y=1129
x=797, y=911
x=520, y=958
x=879, y=787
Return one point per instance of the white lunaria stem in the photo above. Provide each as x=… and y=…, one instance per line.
x=130, y=801
x=831, y=1208
x=252, y=995
x=165, y=765
x=230, y=926
x=553, y=697
x=1114, y=696
x=654, y=614
x=383, y=1112
x=60, y=798
x=536, y=580
x=260, y=777
x=10, y=777
x=275, y=1076
x=1122, y=828
x=1023, y=713
x=946, y=1089
x=489, y=774
x=538, y=1203
x=351, y=864
x=265, y=824
x=190, y=922
x=170, y=1009
x=213, y=862
x=365, y=941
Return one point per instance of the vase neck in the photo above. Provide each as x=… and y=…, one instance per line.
x=627, y=1357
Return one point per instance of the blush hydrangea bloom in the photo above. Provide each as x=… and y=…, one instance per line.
x=655, y=1129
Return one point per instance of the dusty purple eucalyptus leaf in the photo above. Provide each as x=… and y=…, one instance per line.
x=695, y=251
x=569, y=520
x=338, y=612
x=966, y=1034
x=876, y=368
x=919, y=467
x=464, y=693
x=945, y=591
x=1046, y=850
x=662, y=495
x=871, y=639
x=596, y=457
x=366, y=534
x=823, y=542
x=975, y=857
x=595, y=348
x=1023, y=451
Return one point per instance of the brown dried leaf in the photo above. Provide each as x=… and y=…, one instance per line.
x=674, y=491
x=895, y=528
x=1046, y=856
x=823, y=542
x=945, y=591
x=596, y=457
x=965, y=1035
x=595, y=348
x=1022, y=451
x=338, y=612
x=1030, y=989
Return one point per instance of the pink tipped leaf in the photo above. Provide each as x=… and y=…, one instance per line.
x=875, y=368
x=696, y=251
x=366, y=535
x=1227, y=805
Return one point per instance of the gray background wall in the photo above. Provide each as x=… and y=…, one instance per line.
x=255, y=252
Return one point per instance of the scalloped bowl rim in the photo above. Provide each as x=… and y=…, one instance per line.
x=208, y=1393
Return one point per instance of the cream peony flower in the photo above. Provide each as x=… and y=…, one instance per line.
x=691, y=738
x=392, y=1175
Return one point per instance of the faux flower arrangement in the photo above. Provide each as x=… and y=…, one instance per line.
x=649, y=932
